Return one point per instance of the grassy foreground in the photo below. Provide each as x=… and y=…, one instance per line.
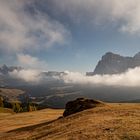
x=111, y=122
x=6, y=110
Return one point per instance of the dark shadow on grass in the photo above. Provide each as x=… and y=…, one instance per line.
x=32, y=127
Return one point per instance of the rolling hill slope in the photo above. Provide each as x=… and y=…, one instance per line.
x=111, y=122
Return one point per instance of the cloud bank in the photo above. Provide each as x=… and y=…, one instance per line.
x=124, y=14
x=130, y=78
x=21, y=29
x=28, y=61
x=29, y=76
x=24, y=29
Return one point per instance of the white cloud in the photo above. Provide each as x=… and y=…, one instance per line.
x=123, y=13
x=29, y=75
x=20, y=30
x=28, y=61
x=130, y=78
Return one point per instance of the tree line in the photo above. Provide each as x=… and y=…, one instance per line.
x=17, y=106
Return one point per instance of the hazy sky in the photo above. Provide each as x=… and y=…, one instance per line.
x=67, y=34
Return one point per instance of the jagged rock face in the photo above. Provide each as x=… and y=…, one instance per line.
x=114, y=63
x=53, y=73
x=5, y=69
x=80, y=104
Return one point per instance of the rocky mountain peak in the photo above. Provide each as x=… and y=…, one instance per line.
x=111, y=56
x=114, y=63
x=137, y=56
x=4, y=69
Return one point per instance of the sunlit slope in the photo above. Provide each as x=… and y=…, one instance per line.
x=3, y=111
x=111, y=122
x=13, y=121
x=11, y=94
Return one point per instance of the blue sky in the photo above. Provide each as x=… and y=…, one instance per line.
x=67, y=34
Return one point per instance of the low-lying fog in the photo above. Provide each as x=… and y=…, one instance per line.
x=117, y=87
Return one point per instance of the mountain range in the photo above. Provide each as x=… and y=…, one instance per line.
x=111, y=63
x=6, y=69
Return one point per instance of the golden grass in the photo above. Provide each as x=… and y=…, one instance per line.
x=13, y=121
x=111, y=122
x=3, y=111
x=11, y=93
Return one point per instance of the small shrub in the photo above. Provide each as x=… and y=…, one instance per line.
x=1, y=102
